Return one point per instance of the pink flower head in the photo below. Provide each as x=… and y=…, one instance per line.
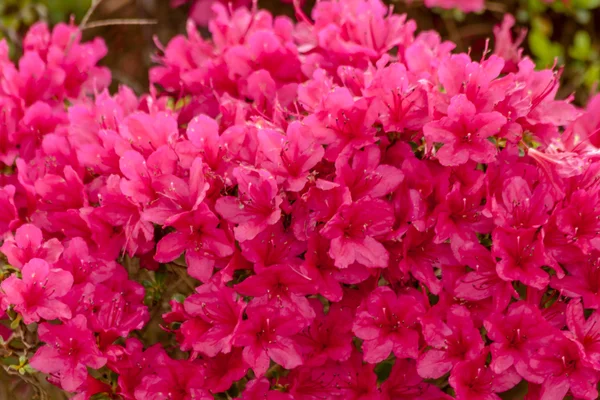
x=282, y=287
x=399, y=102
x=27, y=244
x=217, y=312
x=582, y=281
x=560, y=363
x=522, y=256
x=260, y=389
x=474, y=380
x=585, y=333
x=579, y=220
x=38, y=294
x=464, y=133
x=354, y=233
x=147, y=133
x=291, y=157
x=365, y=176
x=257, y=205
x=389, y=323
x=507, y=47
x=223, y=370
x=8, y=211
x=484, y=282
x=273, y=247
x=454, y=341
x=69, y=349
x=197, y=234
x=179, y=379
x=405, y=384
x=520, y=206
x=516, y=335
x=329, y=337
x=267, y=334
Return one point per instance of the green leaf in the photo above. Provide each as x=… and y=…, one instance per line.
x=585, y=4
x=15, y=323
x=592, y=75
x=582, y=46
x=543, y=49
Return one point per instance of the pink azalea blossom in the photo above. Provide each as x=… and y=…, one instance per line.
x=516, y=335
x=474, y=380
x=215, y=315
x=267, y=334
x=257, y=206
x=405, y=383
x=464, y=133
x=27, y=244
x=454, y=341
x=8, y=215
x=197, y=234
x=354, y=234
x=563, y=369
x=38, y=294
x=69, y=350
x=388, y=323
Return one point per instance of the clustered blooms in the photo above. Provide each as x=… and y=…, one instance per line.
x=367, y=214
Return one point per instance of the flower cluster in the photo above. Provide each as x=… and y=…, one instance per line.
x=366, y=214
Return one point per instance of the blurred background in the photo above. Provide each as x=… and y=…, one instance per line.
x=564, y=30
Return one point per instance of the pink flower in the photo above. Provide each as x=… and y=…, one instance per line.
x=583, y=281
x=451, y=342
x=357, y=380
x=267, y=334
x=516, y=335
x=179, y=379
x=69, y=349
x=464, y=133
x=579, y=220
x=365, y=176
x=405, y=384
x=560, y=363
x=257, y=205
x=388, y=324
x=521, y=207
x=329, y=337
x=197, y=234
x=259, y=389
x=28, y=244
x=483, y=282
x=38, y=294
x=354, y=233
x=507, y=47
x=320, y=267
x=223, y=370
x=398, y=103
x=421, y=255
x=474, y=380
x=8, y=211
x=585, y=333
x=272, y=247
x=176, y=196
x=290, y=158
x=217, y=312
x=522, y=256
x=282, y=287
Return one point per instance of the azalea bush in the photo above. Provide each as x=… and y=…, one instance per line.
x=335, y=206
